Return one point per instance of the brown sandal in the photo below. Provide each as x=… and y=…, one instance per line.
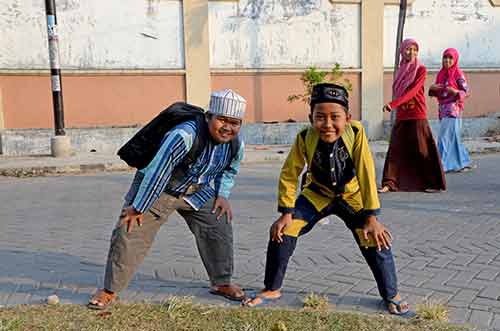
x=102, y=300
x=230, y=292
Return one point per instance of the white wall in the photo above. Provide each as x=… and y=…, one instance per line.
x=471, y=26
x=246, y=34
x=283, y=33
x=93, y=34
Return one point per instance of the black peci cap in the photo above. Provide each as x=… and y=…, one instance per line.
x=328, y=92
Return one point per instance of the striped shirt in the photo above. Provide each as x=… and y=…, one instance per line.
x=213, y=165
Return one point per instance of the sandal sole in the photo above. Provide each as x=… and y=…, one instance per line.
x=96, y=307
x=228, y=296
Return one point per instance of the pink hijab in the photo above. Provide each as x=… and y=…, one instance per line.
x=407, y=70
x=453, y=73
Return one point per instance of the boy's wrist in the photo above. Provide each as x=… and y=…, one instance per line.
x=371, y=219
x=371, y=212
x=285, y=210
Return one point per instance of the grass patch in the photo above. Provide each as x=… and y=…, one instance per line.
x=315, y=301
x=180, y=314
x=10, y=324
x=432, y=311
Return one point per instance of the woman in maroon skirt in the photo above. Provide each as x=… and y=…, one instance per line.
x=413, y=162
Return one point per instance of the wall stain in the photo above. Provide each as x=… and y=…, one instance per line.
x=273, y=11
x=152, y=8
x=459, y=10
x=263, y=33
x=67, y=5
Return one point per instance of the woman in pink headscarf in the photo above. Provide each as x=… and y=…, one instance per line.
x=451, y=89
x=412, y=162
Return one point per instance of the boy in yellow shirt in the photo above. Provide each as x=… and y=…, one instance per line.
x=340, y=181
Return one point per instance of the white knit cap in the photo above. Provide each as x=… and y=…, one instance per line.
x=227, y=103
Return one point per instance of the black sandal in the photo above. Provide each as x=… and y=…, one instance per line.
x=399, y=310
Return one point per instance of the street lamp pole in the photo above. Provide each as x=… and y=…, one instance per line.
x=60, y=145
x=399, y=39
x=55, y=68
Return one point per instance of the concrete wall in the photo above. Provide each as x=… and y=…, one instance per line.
x=257, y=47
x=267, y=92
x=123, y=100
x=93, y=34
x=472, y=128
x=282, y=33
x=109, y=140
x=244, y=34
x=93, y=100
x=471, y=26
x=484, y=98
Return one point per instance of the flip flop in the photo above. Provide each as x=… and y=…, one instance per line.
x=384, y=189
x=432, y=190
x=468, y=168
x=406, y=313
x=263, y=301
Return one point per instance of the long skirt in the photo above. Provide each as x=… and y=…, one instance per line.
x=454, y=156
x=413, y=163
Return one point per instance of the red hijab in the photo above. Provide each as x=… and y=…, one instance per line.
x=453, y=73
x=407, y=70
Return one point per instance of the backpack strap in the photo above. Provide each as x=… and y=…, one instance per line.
x=199, y=141
x=235, y=147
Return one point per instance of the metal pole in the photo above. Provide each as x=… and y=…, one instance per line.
x=399, y=39
x=55, y=69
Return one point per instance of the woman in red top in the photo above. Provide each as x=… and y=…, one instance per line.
x=412, y=162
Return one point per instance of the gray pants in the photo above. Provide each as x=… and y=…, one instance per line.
x=214, y=239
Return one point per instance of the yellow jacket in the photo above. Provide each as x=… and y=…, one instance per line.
x=360, y=192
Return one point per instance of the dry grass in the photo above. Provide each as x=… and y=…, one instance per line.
x=315, y=301
x=180, y=314
x=432, y=311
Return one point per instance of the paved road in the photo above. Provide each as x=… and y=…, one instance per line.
x=54, y=234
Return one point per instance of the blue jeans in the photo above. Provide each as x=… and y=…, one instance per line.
x=306, y=216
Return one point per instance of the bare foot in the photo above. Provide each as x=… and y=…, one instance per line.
x=262, y=298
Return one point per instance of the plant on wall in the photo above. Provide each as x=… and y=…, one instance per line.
x=313, y=76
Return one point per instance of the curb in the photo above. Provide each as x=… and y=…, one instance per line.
x=42, y=171
x=23, y=172
x=485, y=150
x=251, y=157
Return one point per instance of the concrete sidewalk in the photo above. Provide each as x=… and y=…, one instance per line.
x=43, y=165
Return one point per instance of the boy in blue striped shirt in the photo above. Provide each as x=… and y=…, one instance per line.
x=168, y=184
